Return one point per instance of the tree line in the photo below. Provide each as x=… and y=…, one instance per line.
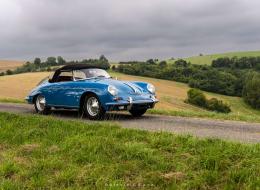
x=51, y=63
x=218, y=77
x=237, y=63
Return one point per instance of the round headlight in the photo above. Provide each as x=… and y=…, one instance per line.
x=112, y=90
x=151, y=88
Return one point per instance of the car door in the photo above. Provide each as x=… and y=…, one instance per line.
x=60, y=92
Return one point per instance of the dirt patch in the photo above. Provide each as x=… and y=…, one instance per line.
x=29, y=148
x=22, y=161
x=174, y=175
x=53, y=149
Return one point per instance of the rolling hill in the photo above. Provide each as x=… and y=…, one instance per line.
x=7, y=64
x=207, y=59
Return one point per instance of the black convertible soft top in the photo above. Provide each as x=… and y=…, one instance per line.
x=78, y=67
x=71, y=68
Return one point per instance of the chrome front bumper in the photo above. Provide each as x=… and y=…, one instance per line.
x=130, y=103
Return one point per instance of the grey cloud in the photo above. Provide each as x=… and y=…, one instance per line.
x=123, y=30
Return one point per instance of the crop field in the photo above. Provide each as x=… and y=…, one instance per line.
x=5, y=65
x=43, y=152
x=171, y=95
x=207, y=59
x=18, y=86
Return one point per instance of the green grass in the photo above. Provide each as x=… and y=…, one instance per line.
x=43, y=152
x=12, y=100
x=207, y=114
x=207, y=59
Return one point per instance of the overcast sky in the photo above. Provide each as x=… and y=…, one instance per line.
x=126, y=30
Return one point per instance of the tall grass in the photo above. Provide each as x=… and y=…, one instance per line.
x=43, y=152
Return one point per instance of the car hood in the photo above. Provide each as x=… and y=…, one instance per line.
x=122, y=86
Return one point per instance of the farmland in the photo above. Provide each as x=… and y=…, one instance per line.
x=171, y=94
x=207, y=59
x=11, y=65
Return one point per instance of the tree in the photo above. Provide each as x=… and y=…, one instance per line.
x=60, y=60
x=51, y=61
x=251, y=90
x=181, y=63
x=9, y=72
x=150, y=61
x=163, y=64
x=103, y=59
x=113, y=67
x=37, y=61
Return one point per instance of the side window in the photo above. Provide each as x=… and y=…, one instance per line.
x=78, y=75
x=65, y=76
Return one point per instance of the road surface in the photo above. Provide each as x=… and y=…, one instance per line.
x=228, y=130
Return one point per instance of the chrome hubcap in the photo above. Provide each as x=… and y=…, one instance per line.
x=93, y=106
x=40, y=103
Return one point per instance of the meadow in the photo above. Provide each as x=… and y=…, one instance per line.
x=207, y=59
x=171, y=95
x=43, y=152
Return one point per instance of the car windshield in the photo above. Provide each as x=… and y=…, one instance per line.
x=89, y=73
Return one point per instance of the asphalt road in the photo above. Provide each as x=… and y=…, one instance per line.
x=228, y=130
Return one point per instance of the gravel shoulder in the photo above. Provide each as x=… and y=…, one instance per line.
x=228, y=130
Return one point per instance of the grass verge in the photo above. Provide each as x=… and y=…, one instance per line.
x=210, y=115
x=12, y=100
x=43, y=152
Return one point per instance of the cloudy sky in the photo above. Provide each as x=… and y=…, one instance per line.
x=126, y=30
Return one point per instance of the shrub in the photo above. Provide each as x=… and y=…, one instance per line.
x=196, y=97
x=218, y=105
x=251, y=90
x=9, y=72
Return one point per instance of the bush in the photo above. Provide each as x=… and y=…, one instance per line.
x=196, y=97
x=251, y=90
x=217, y=105
x=9, y=72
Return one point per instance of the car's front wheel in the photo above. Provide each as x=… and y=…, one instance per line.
x=137, y=112
x=92, y=108
x=40, y=105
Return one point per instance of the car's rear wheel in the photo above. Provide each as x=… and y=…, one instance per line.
x=137, y=112
x=40, y=105
x=92, y=108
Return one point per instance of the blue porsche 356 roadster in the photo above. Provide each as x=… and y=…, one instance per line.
x=92, y=91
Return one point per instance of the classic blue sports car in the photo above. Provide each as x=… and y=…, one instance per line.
x=92, y=91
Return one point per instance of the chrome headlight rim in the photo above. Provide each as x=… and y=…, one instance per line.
x=151, y=88
x=112, y=90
